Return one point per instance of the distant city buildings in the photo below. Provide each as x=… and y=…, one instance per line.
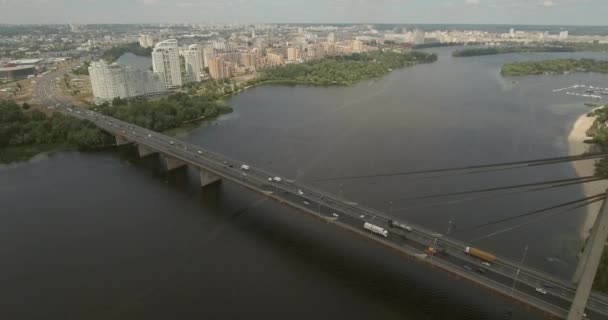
x=110, y=81
x=563, y=35
x=165, y=62
x=418, y=37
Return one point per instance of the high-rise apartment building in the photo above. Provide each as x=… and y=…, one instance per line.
x=218, y=68
x=165, y=61
x=563, y=35
x=331, y=37
x=248, y=60
x=293, y=54
x=113, y=81
x=146, y=41
x=194, y=62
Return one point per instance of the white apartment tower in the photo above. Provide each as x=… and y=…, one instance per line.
x=110, y=81
x=146, y=41
x=331, y=37
x=194, y=61
x=165, y=62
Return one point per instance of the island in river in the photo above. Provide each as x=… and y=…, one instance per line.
x=553, y=47
x=557, y=66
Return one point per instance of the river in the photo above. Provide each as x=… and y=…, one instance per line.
x=108, y=235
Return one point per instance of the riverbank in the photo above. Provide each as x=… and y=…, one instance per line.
x=577, y=145
x=555, y=66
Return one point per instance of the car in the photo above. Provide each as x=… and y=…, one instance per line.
x=480, y=270
x=487, y=264
x=548, y=286
x=541, y=290
x=335, y=214
x=277, y=179
x=300, y=192
x=171, y=142
x=361, y=216
x=133, y=132
x=306, y=202
x=467, y=268
x=270, y=179
x=199, y=152
x=124, y=131
x=149, y=136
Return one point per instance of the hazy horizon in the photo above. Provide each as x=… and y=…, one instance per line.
x=495, y=12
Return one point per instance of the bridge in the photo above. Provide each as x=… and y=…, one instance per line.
x=531, y=288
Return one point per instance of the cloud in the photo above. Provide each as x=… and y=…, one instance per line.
x=147, y=2
x=548, y=3
x=472, y=2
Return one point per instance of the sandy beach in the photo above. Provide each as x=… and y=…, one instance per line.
x=576, y=145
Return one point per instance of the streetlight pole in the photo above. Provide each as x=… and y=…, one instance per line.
x=521, y=263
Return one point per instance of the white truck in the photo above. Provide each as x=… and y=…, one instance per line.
x=245, y=167
x=375, y=229
x=398, y=225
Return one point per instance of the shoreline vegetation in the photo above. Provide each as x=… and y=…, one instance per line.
x=343, y=71
x=556, y=66
x=555, y=47
x=23, y=136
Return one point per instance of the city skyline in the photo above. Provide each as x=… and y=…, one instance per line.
x=515, y=12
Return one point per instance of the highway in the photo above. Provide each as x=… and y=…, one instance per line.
x=525, y=285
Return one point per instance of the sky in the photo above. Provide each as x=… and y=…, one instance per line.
x=542, y=12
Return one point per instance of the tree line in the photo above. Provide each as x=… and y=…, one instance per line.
x=557, y=66
x=18, y=129
x=166, y=113
x=550, y=47
x=344, y=70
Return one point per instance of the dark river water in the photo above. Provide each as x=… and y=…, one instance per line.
x=109, y=236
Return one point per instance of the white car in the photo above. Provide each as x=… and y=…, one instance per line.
x=335, y=215
x=541, y=290
x=300, y=192
x=277, y=179
x=149, y=136
x=199, y=152
x=487, y=264
x=270, y=179
x=306, y=202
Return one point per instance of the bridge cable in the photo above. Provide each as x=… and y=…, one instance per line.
x=507, y=165
x=511, y=228
x=455, y=201
x=525, y=185
x=539, y=211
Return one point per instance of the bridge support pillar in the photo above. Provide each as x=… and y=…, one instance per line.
x=591, y=260
x=208, y=177
x=120, y=140
x=173, y=163
x=145, y=151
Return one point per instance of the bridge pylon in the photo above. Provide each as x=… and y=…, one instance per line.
x=589, y=263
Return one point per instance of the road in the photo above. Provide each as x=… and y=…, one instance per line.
x=508, y=278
